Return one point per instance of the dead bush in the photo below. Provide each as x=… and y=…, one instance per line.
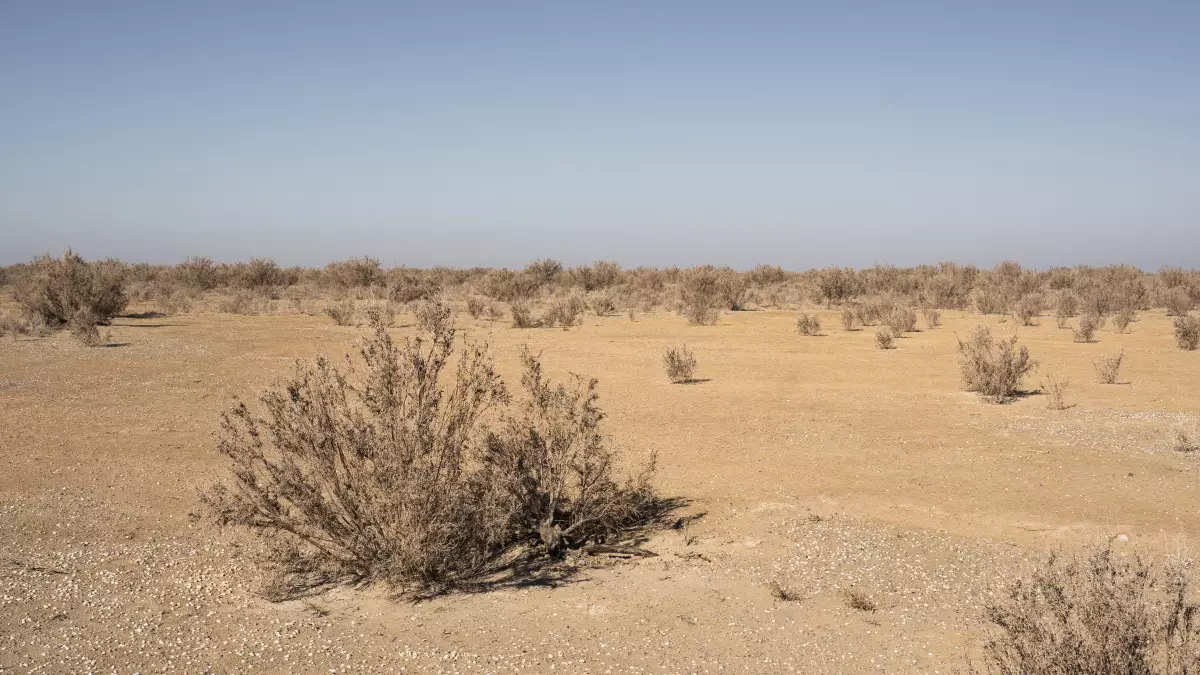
x=1187, y=332
x=56, y=289
x=990, y=302
x=1108, y=368
x=992, y=367
x=884, y=339
x=1029, y=308
x=871, y=312
x=733, y=290
x=808, y=324
x=1178, y=302
x=380, y=312
x=389, y=471
x=1088, y=325
x=783, y=593
x=1096, y=611
x=680, y=364
x=174, y=302
x=847, y=320
x=363, y=272
x=11, y=326
x=1122, y=319
x=1055, y=388
x=933, y=318
x=342, y=312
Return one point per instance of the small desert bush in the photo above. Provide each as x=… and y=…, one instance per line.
x=1122, y=319
x=241, y=302
x=680, y=363
x=602, y=304
x=56, y=289
x=901, y=320
x=884, y=339
x=859, y=600
x=1108, y=368
x=1029, y=308
x=783, y=593
x=990, y=302
x=565, y=311
x=522, y=315
x=808, y=324
x=992, y=367
x=1178, y=302
x=434, y=315
x=1185, y=437
x=1055, y=388
x=1097, y=611
x=11, y=326
x=1187, y=332
x=342, y=312
x=847, y=320
x=700, y=296
x=476, y=306
x=174, y=302
x=1088, y=325
x=83, y=328
x=933, y=318
x=390, y=470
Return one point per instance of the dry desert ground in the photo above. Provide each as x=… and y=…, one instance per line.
x=815, y=466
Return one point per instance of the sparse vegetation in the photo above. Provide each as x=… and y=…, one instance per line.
x=808, y=324
x=1097, y=611
x=680, y=364
x=991, y=367
x=783, y=593
x=1109, y=367
x=884, y=339
x=847, y=320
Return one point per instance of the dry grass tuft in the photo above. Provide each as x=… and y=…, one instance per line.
x=783, y=593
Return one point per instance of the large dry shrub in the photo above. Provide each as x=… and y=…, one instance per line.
x=992, y=367
x=387, y=469
x=1097, y=611
x=1187, y=332
x=836, y=284
x=361, y=272
x=57, y=289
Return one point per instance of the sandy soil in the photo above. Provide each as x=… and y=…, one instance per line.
x=820, y=464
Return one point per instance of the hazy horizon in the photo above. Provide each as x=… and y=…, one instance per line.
x=491, y=134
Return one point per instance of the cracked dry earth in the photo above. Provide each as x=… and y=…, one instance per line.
x=813, y=469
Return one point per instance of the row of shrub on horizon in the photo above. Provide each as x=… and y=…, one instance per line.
x=1100, y=290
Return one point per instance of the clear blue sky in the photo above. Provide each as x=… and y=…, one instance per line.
x=653, y=132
